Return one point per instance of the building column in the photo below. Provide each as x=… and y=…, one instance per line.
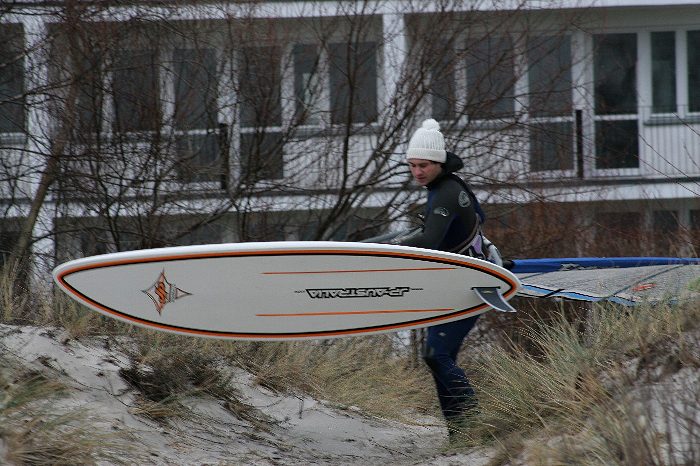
x=583, y=100
x=38, y=145
x=394, y=58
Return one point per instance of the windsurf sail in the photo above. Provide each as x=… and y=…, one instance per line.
x=624, y=280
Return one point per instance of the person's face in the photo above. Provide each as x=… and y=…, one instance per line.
x=424, y=171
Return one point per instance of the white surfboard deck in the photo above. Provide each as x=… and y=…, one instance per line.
x=284, y=290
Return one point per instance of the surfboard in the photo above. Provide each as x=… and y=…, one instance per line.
x=286, y=290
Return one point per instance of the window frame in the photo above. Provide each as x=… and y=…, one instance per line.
x=14, y=38
x=599, y=119
x=551, y=117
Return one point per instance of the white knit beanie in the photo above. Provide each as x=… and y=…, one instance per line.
x=427, y=143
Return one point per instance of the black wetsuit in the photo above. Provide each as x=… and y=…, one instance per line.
x=452, y=222
x=451, y=213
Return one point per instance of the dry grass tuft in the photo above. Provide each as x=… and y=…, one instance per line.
x=166, y=369
x=372, y=373
x=369, y=373
x=32, y=431
x=578, y=391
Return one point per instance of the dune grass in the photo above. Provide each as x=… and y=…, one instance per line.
x=363, y=372
x=34, y=431
x=367, y=373
x=566, y=387
x=371, y=373
x=573, y=396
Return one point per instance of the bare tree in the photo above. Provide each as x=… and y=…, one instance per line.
x=186, y=123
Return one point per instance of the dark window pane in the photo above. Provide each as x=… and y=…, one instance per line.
x=90, y=95
x=202, y=234
x=617, y=234
x=695, y=220
x=663, y=71
x=8, y=240
x=263, y=227
x=615, y=73
x=694, y=70
x=136, y=91
x=666, y=221
x=695, y=231
x=195, y=89
x=617, y=144
x=199, y=158
x=353, y=75
x=491, y=78
x=12, y=103
x=94, y=241
x=549, y=76
x=551, y=146
x=664, y=233
x=261, y=157
x=307, y=84
x=260, y=85
x=443, y=85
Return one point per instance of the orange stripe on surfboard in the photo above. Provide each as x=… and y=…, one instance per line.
x=413, y=269
x=345, y=313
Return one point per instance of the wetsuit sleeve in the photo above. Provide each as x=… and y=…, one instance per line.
x=443, y=208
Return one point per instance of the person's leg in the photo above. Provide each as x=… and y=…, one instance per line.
x=442, y=344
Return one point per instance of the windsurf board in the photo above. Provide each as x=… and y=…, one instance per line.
x=286, y=290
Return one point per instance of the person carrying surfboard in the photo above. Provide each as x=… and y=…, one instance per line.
x=452, y=222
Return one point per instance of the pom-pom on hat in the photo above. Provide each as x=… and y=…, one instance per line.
x=427, y=143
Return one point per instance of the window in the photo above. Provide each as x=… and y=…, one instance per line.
x=443, y=84
x=666, y=48
x=491, y=78
x=307, y=84
x=263, y=226
x=617, y=234
x=663, y=72
x=551, y=146
x=207, y=233
x=693, y=70
x=198, y=158
x=353, y=82
x=617, y=144
x=615, y=73
x=550, y=103
x=695, y=230
x=195, y=89
x=12, y=104
x=90, y=95
x=260, y=84
x=8, y=240
x=261, y=156
x=695, y=220
x=549, y=76
x=664, y=234
x=198, y=149
x=94, y=240
x=136, y=91
x=615, y=77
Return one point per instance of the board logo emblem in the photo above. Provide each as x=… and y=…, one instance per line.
x=163, y=292
x=464, y=200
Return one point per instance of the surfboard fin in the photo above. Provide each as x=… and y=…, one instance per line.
x=492, y=296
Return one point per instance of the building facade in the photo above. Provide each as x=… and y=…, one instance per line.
x=161, y=123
